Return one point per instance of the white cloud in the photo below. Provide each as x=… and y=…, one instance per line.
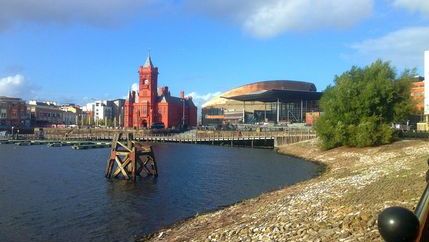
x=413, y=5
x=200, y=99
x=403, y=47
x=65, y=11
x=16, y=86
x=268, y=18
x=262, y=18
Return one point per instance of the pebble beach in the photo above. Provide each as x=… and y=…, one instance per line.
x=342, y=204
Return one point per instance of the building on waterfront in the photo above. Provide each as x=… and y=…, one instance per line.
x=99, y=112
x=118, y=112
x=69, y=118
x=72, y=114
x=419, y=87
x=88, y=114
x=266, y=101
x=151, y=106
x=13, y=113
x=417, y=93
x=46, y=114
x=105, y=112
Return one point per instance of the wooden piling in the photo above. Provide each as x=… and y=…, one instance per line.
x=131, y=158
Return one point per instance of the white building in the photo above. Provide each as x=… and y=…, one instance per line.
x=107, y=112
x=99, y=110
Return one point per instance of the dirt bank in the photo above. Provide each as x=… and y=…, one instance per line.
x=340, y=205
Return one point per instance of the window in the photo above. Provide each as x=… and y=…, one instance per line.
x=3, y=113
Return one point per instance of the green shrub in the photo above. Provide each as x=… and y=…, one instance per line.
x=361, y=106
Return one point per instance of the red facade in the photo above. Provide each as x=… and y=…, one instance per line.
x=151, y=106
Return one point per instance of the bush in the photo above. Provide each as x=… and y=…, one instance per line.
x=361, y=106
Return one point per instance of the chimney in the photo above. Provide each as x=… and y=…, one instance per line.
x=163, y=91
x=182, y=94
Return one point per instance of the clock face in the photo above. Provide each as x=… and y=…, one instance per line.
x=146, y=82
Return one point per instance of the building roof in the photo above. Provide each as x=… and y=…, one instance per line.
x=261, y=86
x=177, y=100
x=148, y=62
x=4, y=98
x=281, y=95
x=169, y=99
x=276, y=84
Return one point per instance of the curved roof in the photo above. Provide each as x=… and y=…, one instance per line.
x=261, y=87
x=280, y=95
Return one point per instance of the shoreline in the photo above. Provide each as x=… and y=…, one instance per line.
x=341, y=203
x=322, y=168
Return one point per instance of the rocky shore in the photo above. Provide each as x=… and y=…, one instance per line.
x=340, y=205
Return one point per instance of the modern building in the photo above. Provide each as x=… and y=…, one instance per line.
x=13, y=113
x=105, y=112
x=152, y=106
x=100, y=112
x=266, y=101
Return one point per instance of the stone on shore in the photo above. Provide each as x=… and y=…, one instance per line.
x=340, y=205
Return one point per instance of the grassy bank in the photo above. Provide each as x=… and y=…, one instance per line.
x=340, y=205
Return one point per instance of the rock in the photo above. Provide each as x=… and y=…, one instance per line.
x=371, y=222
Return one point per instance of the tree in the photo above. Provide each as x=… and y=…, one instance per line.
x=362, y=105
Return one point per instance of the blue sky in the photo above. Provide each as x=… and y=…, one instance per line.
x=77, y=51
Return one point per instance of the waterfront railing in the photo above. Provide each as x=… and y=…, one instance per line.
x=277, y=138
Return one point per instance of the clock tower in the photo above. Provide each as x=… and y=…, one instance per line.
x=148, y=85
x=147, y=107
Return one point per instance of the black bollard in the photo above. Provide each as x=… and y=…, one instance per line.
x=397, y=224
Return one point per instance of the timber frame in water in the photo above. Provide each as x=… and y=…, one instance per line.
x=129, y=159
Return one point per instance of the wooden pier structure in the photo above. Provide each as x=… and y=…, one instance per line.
x=130, y=158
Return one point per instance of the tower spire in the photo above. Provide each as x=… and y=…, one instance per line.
x=148, y=62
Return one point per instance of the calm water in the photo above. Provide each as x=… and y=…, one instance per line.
x=60, y=194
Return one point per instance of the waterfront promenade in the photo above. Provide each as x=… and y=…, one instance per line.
x=340, y=205
x=263, y=139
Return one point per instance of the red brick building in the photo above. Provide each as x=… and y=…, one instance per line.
x=418, y=94
x=13, y=113
x=153, y=106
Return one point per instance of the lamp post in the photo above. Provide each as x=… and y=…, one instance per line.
x=12, y=131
